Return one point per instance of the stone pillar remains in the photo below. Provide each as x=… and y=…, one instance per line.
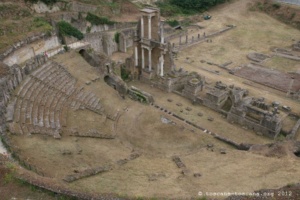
x=198, y=36
x=186, y=39
x=290, y=87
x=161, y=60
x=143, y=58
x=180, y=40
x=162, y=33
x=142, y=26
x=136, y=56
x=149, y=27
x=150, y=59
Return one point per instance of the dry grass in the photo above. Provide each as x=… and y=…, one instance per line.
x=283, y=64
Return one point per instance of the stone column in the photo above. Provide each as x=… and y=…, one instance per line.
x=136, y=56
x=161, y=59
x=143, y=58
x=162, y=33
x=149, y=27
x=192, y=39
x=180, y=40
x=198, y=36
x=186, y=39
x=150, y=60
x=142, y=27
x=125, y=45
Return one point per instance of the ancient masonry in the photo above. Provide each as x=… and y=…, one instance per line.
x=152, y=63
x=151, y=56
x=37, y=98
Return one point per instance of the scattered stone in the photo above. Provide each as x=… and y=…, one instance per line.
x=210, y=145
x=223, y=151
x=178, y=162
x=66, y=152
x=181, y=110
x=197, y=175
x=170, y=100
x=185, y=172
x=188, y=108
x=179, y=104
x=165, y=120
x=88, y=82
x=122, y=161
x=200, y=114
x=259, y=133
x=286, y=108
x=210, y=119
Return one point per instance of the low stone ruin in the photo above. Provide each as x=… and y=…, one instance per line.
x=257, y=57
x=255, y=114
x=139, y=95
x=178, y=162
x=296, y=46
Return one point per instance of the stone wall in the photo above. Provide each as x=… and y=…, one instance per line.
x=11, y=80
x=235, y=118
x=96, y=41
x=29, y=48
x=21, y=44
x=109, y=45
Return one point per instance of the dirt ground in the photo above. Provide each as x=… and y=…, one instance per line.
x=141, y=128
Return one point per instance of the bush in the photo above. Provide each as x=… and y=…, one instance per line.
x=117, y=37
x=276, y=5
x=124, y=74
x=173, y=23
x=196, y=5
x=96, y=20
x=47, y=2
x=67, y=29
x=188, y=7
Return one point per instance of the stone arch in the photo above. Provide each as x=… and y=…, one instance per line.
x=228, y=104
x=110, y=81
x=82, y=52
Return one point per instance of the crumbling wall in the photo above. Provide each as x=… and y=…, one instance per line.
x=10, y=50
x=109, y=45
x=96, y=41
x=232, y=117
x=81, y=7
x=29, y=48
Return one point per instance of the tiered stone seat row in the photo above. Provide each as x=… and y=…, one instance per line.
x=44, y=98
x=88, y=100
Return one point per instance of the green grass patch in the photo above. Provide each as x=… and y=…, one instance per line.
x=67, y=29
x=41, y=22
x=173, y=22
x=96, y=20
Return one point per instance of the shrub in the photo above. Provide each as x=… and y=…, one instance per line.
x=117, y=37
x=124, y=74
x=47, y=2
x=173, y=23
x=276, y=5
x=96, y=20
x=67, y=29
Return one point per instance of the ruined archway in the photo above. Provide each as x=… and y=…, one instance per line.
x=82, y=52
x=110, y=81
x=227, y=105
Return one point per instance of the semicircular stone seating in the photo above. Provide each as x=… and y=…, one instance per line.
x=43, y=100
